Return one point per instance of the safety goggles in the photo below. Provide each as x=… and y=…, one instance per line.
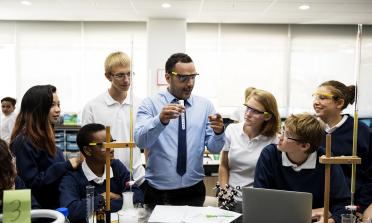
x=322, y=97
x=286, y=136
x=185, y=78
x=254, y=112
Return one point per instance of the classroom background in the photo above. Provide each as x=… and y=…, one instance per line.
x=270, y=45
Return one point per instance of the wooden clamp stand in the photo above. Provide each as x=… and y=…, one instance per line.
x=328, y=160
x=108, y=145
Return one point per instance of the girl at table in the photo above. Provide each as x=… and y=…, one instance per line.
x=329, y=100
x=245, y=141
x=40, y=163
x=8, y=175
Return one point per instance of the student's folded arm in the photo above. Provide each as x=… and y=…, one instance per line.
x=223, y=170
x=339, y=193
x=365, y=195
x=148, y=126
x=264, y=173
x=28, y=169
x=69, y=198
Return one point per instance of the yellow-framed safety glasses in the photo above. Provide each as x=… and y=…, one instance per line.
x=323, y=97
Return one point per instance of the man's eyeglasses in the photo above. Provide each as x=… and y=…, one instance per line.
x=99, y=145
x=286, y=136
x=254, y=112
x=185, y=78
x=121, y=76
x=322, y=97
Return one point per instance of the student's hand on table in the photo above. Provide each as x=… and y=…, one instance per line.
x=319, y=213
x=114, y=196
x=171, y=111
x=216, y=123
x=359, y=215
x=75, y=162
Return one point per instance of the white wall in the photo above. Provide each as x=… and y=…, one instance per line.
x=164, y=38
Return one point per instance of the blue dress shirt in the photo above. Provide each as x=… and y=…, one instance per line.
x=162, y=140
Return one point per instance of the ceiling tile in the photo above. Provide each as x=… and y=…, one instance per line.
x=236, y=5
x=52, y=17
x=100, y=3
x=230, y=14
x=103, y=12
x=109, y=18
x=174, y=4
x=177, y=14
x=292, y=15
x=34, y=3
x=355, y=8
x=314, y=7
x=348, y=15
x=340, y=21
x=38, y=11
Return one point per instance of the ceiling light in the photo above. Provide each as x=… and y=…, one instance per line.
x=165, y=5
x=25, y=2
x=304, y=7
x=95, y=4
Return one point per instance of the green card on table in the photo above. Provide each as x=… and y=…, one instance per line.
x=17, y=206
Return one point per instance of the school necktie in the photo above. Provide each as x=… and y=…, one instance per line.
x=182, y=145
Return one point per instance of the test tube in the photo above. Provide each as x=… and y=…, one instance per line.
x=182, y=102
x=90, y=203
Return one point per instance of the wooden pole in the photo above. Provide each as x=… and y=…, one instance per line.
x=108, y=210
x=327, y=178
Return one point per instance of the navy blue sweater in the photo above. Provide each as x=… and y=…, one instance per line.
x=271, y=174
x=19, y=185
x=73, y=191
x=342, y=144
x=41, y=172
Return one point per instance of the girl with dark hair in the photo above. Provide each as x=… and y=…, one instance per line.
x=8, y=175
x=330, y=99
x=40, y=163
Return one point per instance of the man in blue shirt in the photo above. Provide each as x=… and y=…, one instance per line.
x=177, y=136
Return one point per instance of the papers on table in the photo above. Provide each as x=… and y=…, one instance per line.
x=188, y=214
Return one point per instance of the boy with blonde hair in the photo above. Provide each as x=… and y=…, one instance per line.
x=112, y=108
x=293, y=165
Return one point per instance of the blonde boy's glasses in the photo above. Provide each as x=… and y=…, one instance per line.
x=286, y=136
x=322, y=97
x=121, y=76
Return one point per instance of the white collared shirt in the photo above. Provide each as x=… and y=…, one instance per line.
x=91, y=176
x=243, y=155
x=330, y=130
x=310, y=162
x=108, y=112
x=7, y=126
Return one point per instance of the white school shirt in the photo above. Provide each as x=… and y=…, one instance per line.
x=7, y=126
x=330, y=130
x=310, y=162
x=91, y=176
x=243, y=156
x=108, y=112
x=238, y=114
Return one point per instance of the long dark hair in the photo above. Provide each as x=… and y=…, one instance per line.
x=7, y=174
x=33, y=118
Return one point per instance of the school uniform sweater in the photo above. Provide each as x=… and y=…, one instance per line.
x=19, y=185
x=271, y=174
x=342, y=144
x=73, y=191
x=41, y=172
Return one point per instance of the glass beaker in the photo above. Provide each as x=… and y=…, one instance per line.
x=128, y=213
x=90, y=203
x=364, y=220
x=348, y=218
